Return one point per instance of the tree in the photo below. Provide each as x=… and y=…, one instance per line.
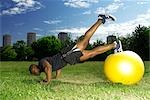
x=29, y=53
x=98, y=43
x=78, y=39
x=140, y=41
x=68, y=41
x=8, y=53
x=22, y=50
x=46, y=46
x=126, y=41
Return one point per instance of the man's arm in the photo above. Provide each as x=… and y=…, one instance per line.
x=48, y=72
x=58, y=72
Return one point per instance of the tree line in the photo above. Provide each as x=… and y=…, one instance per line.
x=138, y=41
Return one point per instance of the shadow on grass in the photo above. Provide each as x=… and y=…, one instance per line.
x=29, y=81
x=59, y=82
x=55, y=85
x=74, y=83
x=104, y=85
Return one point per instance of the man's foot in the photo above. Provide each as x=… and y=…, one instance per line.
x=103, y=17
x=118, y=46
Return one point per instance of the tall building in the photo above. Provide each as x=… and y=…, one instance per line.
x=62, y=36
x=31, y=37
x=110, y=39
x=6, y=40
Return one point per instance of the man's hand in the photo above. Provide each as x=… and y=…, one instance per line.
x=45, y=82
x=48, y=72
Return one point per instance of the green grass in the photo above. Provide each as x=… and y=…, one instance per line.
x=84, y=81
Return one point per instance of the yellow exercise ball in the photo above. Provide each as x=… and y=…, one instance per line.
x=125, y=67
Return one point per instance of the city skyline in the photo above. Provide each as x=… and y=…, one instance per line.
x=7, y=39
x=31, y=37
x=49, y=17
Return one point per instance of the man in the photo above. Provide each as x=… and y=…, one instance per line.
x=74, y=53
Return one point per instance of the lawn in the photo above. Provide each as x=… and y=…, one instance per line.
x=85, y=81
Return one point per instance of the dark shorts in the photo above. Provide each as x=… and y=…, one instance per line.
x=58, y=62
x=71, y=54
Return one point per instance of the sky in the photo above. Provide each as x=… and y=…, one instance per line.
x=49, y=17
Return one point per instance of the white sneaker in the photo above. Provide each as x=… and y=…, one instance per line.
x=118, y=46
x=104, y=17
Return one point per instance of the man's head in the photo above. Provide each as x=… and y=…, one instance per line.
x=34, y=69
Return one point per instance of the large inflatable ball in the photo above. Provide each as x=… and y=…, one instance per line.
x=125, y=67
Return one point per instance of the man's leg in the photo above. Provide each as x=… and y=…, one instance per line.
x=96, y=51
x=83, y=44
x=101, y=20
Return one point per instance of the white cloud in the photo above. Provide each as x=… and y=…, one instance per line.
x=117, y=0
x=129, y=26
x=22, y=6
x=79, y=3
x=103, y=31
x=72, y=30
x=142, y=2
x=39, y=35
x=112, y=8
x=52, y=21
x=37, y=29
x=87, y=12
x=100, y=10
x=77, y=32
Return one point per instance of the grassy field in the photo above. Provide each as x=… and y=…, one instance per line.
x=84, y=81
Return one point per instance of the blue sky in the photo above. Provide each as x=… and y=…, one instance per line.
x=49, y=17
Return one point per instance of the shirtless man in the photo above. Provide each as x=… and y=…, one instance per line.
x=74, y=53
